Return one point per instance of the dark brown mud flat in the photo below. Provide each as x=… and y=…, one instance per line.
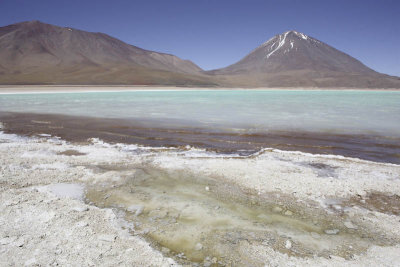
x=163, y=134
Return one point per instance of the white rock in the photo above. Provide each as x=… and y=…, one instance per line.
x=315, y=235
x=288, y=244
x=332, y=231
x=19, y=242
x=145, y=231
x=80, y=208
x=81, y=224
x=6, y=240
x=171, y=262
x=29, y=262
x=198, y=246
x=107, y=238
x=350, y=225
x=337, y=207
x=288, y=213
x=207, y=188
x=137, y=209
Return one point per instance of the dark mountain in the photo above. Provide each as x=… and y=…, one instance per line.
x=35, y=52
x=295, y=59
x=38, y=53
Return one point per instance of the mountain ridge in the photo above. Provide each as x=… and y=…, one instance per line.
x=34, y=52
x=34, y=47
x=38, y=27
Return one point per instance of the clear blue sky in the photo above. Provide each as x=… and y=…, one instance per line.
x=216, y=33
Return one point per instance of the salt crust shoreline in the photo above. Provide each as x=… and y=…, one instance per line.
x=37, y=89
x=41, y=226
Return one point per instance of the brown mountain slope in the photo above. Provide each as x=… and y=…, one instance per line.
x=38, y=53
x=295, y=59
x=35, y=52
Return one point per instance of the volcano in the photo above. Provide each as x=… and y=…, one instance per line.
x=296, y=59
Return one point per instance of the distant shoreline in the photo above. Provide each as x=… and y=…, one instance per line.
x=30, y=89
x=152, y=133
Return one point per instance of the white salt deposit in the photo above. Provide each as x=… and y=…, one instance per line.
x=74, y=191
x=25, y=161
x=12, y=137
x=50, y=166
x=44, y=135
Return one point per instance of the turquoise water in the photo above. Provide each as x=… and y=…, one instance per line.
x=365, y=112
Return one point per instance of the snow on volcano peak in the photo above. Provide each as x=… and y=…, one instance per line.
x=282, y=39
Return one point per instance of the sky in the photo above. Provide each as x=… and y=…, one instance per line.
x=217, y=33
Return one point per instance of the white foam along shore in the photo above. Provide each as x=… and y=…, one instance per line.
x=44, y=221
x=43, y=89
